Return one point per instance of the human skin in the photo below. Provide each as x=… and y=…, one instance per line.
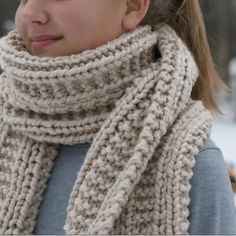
x=65, y=27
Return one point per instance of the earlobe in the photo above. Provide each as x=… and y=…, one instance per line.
x=130, y=21
x=136, y=11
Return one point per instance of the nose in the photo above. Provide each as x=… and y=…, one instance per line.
x=35, y=13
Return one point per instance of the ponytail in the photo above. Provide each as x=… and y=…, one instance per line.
x=185, y=17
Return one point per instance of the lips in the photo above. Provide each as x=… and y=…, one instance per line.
x=44, y=40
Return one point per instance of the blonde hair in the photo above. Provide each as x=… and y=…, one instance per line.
x=185, y=17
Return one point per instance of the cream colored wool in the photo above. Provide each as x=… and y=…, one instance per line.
x=135, y=109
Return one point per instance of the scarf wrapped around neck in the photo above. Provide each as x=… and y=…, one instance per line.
x=131, y=99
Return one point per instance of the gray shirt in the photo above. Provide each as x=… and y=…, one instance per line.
x=211, y=208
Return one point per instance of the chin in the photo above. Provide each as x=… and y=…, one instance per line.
x=47, y=53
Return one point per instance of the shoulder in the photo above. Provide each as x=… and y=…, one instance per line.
x=212, y=209
x=210, y=158
x=210, y=168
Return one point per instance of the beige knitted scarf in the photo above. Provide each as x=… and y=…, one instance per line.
x=131, y=99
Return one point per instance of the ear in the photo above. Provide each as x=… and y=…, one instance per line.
x=135, y=12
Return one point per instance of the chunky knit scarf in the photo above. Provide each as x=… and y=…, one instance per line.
x=131, y=99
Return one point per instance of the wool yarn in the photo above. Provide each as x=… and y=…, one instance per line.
x=131, y=98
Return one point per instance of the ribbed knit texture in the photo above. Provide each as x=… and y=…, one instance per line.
x=131, y=98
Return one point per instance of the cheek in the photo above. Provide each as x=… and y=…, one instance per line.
x=79, y=26
x=20, y=26
x=18, y=22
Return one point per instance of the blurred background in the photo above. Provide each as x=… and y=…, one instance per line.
x=220, y=18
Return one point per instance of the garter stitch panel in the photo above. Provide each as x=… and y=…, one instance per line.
x=135, y=108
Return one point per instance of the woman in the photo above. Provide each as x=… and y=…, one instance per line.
x=105, y=121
